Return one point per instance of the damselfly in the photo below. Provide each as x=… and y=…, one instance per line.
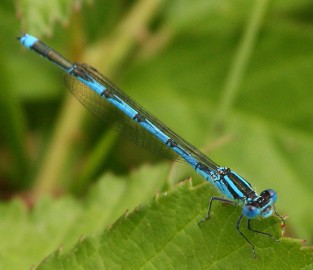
x=236, y=189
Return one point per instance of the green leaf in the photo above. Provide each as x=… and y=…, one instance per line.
x=165, y=234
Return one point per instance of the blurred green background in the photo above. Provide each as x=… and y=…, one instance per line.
x=234, y=78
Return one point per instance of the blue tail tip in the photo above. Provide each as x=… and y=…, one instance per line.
x=27, y=40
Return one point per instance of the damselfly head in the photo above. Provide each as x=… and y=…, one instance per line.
x=261, y=205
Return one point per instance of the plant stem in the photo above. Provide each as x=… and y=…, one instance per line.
x=109, y=52
x=240, y=63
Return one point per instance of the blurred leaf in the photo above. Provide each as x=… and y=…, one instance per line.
x=38, y=17
x=27, y=237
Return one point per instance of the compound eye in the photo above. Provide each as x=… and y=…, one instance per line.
x=251, y=211
x=269, y=194
x=267, y=212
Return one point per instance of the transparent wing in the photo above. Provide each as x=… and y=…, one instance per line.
x=100, y=108
x=112, y=116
